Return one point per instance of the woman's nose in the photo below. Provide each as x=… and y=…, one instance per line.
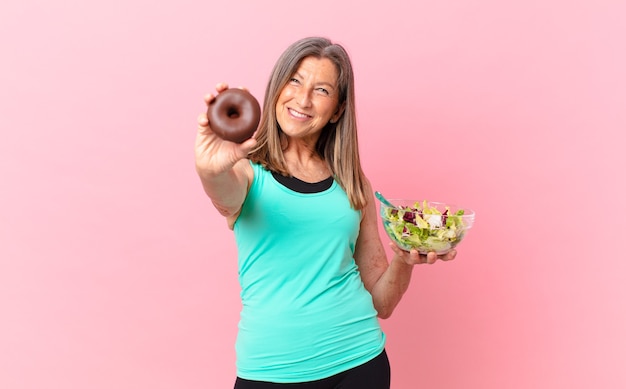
x=303, y=97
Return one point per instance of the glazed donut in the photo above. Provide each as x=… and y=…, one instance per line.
x=234, y=115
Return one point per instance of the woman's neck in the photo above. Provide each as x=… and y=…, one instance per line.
x=306, y=165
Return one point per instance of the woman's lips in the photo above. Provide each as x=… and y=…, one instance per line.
x=297, y=114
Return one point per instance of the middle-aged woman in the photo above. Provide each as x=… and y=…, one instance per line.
x=313, y=271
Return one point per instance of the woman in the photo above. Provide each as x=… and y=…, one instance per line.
x=313, y=271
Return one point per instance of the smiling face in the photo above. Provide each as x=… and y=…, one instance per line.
x=309, y=100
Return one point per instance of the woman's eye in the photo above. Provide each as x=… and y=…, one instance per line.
x=324, y=91
x=294, y=81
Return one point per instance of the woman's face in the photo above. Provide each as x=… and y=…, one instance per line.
x=309, y=100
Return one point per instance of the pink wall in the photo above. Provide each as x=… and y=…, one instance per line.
x=115, y=271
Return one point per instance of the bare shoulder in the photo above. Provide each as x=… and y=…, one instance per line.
x=369, y=211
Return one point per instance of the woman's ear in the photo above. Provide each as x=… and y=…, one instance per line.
x=338, y=114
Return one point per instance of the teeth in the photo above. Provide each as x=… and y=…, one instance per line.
x=297, y=114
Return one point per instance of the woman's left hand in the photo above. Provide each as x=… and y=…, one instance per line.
x=414, y=258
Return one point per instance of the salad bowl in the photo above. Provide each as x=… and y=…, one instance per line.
x=425, y=225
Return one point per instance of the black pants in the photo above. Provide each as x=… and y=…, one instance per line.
x=374, y=374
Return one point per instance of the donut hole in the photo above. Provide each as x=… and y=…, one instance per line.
x=232, y=112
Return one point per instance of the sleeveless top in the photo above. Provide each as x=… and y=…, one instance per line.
x=305, y=312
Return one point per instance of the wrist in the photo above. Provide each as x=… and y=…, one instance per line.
x=401, y=261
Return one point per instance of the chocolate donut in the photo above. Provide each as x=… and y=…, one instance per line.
x=234, y=115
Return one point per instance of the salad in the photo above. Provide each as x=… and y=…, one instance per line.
x=424, y=226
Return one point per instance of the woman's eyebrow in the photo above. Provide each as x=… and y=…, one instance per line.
x=324, y=83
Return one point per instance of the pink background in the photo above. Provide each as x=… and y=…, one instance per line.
x=116, y=272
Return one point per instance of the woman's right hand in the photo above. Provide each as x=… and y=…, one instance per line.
x=213, y=154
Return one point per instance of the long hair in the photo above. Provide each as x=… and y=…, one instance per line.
x=338, y=142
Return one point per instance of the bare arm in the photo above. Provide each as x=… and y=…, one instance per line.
x=386, y=281
x=222, y=166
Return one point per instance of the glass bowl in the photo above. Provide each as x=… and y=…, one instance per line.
x=425, y=225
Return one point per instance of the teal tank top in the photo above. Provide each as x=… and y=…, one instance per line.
x=305, y=312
